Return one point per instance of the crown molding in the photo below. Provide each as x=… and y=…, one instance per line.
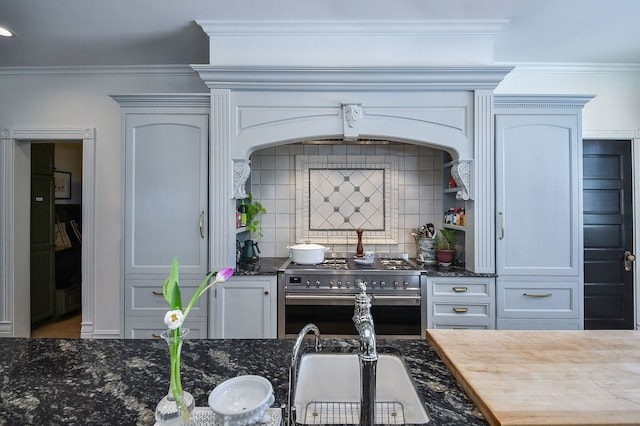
x=98, y=70
x=332, y=28
x=572, y=68
x=541, y=101
x=161, y=100
x=351, y=78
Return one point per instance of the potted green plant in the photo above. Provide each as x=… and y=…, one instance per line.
x=254, y=209
x=445, y=246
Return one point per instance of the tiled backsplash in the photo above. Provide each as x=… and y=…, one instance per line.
x=418, y=197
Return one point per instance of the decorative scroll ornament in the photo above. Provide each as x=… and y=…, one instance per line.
x=461, y=172
x=351, y=114
x=241, y=171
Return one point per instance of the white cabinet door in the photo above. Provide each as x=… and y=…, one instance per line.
x=539, y=244
x=244, y=307
x=538, y=195
x=165, y=180
x=165, y=192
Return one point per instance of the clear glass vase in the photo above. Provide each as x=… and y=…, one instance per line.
x=170, y=411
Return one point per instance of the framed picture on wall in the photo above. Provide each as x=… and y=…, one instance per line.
x=62, y=185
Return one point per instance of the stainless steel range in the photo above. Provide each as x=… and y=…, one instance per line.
x=324, y=294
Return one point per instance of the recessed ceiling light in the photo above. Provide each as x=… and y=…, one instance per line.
x=4, y=32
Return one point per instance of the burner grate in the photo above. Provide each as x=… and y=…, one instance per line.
x=334, y=413
x=334, y=263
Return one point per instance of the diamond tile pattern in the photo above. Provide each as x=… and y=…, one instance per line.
x=337, y=194
x=346, y=199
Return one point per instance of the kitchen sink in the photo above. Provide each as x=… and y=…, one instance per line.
x=327, y=390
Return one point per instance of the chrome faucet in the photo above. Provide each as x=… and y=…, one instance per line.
x=293, y=373
x=368, y=355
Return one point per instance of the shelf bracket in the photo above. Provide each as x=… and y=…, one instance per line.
x=241, y=171
x=461, y=172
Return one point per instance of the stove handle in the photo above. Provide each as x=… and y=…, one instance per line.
x=374, y=297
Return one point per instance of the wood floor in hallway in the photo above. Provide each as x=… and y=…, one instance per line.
x=67, y=328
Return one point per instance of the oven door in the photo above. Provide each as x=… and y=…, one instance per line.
x=394, y=316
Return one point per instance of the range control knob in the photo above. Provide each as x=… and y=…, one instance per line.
x=405, y=284
x=307, y=283
x=330, y=284
x=318, y=284
x=339, y=284
x=348, y=284
x=374, y=283
x=382, y=283
x=395, y=284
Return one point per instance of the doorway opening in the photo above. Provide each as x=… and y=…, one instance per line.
x=56, y=239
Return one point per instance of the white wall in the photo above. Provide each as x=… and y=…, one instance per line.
x=72, y=98
x=613, y=113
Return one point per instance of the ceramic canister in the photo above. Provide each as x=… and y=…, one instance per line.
x=427, y=248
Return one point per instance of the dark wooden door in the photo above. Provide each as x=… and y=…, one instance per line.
x=42, y=238
x=608, y=233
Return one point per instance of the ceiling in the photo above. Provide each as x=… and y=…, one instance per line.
x=140, y=32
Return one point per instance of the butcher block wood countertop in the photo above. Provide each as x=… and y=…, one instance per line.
x=522, y=377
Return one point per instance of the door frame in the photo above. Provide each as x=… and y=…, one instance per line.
x=629, y=135
x=15, y=169
x=635, y=172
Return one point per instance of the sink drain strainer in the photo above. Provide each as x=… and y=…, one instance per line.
x=332, y=413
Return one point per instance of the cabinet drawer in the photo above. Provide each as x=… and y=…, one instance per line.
x=546, y=300
x=150, y=328
x=144, y=298
x=462, y=326
x=461, y=288
x=460, y=310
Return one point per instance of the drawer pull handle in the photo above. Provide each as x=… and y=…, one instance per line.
x=460, y=310
x=156, y=336
x=157, y=293
x=536, y=295
x=460, y=289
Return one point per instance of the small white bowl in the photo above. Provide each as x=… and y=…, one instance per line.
x=241, y=400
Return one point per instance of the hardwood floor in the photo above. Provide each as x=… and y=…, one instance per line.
x=66, y=328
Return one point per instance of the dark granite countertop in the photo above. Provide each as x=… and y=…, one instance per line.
x=119, y=382
x=264, y=266
x=271, y=265
x=449, y=271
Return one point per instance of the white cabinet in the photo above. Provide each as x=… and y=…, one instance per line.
x=461, y=302
x=244, y=307
x=539, y=258
x=539, y=305
x=165, y=163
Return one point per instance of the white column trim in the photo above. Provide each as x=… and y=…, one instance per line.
x=222, y=204
x=483, y=244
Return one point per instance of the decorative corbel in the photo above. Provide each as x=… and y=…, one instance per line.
x=351, y=115
x=461, y=172
x=241, y=171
